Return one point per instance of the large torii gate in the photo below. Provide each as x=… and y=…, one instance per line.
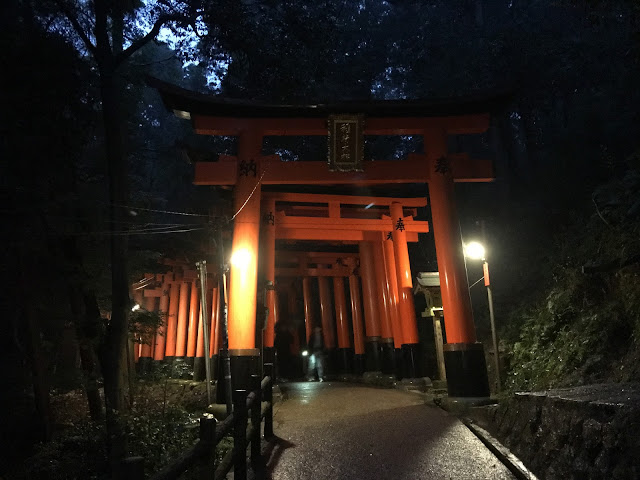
x=249, y=171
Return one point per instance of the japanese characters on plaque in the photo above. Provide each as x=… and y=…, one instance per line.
x=346, y=143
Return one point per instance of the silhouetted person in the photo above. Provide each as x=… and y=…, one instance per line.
x=316, y=359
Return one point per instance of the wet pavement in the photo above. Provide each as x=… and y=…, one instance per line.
x=347, y=431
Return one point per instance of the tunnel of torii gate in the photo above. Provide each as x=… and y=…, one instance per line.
x=175, y=297
x=263, y=216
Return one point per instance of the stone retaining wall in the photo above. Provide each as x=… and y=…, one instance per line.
x=590, y=432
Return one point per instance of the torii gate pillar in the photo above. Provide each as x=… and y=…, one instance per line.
x=269, y=267
x=243, y=278
x=463, y=355
x=405, y=293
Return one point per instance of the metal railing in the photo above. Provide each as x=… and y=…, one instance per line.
x=244, y=424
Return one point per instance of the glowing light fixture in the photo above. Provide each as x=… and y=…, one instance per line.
x=474, y=250
x=241, y=258
x=305, y=353
x=135, y=307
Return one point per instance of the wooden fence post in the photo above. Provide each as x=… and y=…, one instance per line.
x=268, y=397
x=256, y=419
x=208, y=437
x=240, y=435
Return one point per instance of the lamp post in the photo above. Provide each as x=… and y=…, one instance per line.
x=476, y=251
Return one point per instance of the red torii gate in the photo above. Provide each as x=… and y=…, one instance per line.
x=390, y=318
x=249, y=171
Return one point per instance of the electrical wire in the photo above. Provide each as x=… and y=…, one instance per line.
x=134, y=232
x=169, y=212
x=252, y=191
x=474, y=283
x=102, y=220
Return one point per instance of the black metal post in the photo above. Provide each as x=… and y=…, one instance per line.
x=256, y=419
x=240, y=435
x=268, y=397
x=208, y=436
x=202, y=273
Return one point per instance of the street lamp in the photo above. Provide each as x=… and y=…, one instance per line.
x=476, y=251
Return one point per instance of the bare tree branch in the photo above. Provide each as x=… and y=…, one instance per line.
x=77, y=27
x=153, y=33
x=171, y=57
x=593, y=199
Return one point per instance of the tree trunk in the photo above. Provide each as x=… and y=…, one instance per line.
x=116, y=337
x=113, y=350
x=88, y=364
x=38, y=365
x=86, y=315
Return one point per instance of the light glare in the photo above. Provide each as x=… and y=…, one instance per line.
x=241, y=258
x=474, y=250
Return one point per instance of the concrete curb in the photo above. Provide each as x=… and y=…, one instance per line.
x=512, y=462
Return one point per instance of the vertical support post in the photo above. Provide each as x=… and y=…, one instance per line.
x=224, y=390
x=268, y=397
x=148, y=337
x=405, y=292
x=325, y=312
x=202, y=273
x=214, y=331
x=464, y=358
x=183, y=311
x=494, y=332
x=256, y=420
x=358, y=328
x=172, y=322
x=192, y=329
x=392, y=279
x=134, y=339
x=308, y=307
x=342, y=322
x=371, y=317
x=208, y=426
x=269, y=252
x=160, y=340
x=240, y=434
x=199, y=368
x=384, y=309
x=244, y=260
x=437, y=335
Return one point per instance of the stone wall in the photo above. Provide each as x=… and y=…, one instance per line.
x=590, y=432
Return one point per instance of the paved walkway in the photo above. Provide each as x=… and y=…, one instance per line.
x=346, y=431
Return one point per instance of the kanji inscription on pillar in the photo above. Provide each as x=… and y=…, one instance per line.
x=443, y=165
x=346, y=143
x=269, y=219
x=247, y=168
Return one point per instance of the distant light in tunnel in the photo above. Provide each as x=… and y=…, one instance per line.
x=305, y=353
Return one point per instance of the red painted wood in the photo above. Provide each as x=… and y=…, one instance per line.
x=456, y=301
